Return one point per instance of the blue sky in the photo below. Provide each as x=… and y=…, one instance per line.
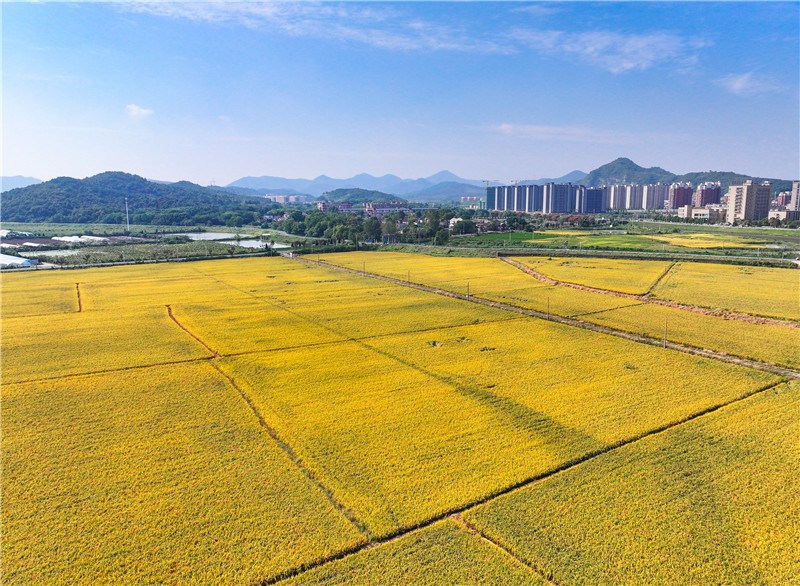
x=488, y=90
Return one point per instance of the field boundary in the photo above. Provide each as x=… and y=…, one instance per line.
x=214, y=353
x=294, y=457
x=78, y=291
x=673, y=304
x=564, y=467
x=660, y=278
x=465, y=525
x=568, y=321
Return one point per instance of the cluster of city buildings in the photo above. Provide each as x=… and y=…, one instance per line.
x=748, y=201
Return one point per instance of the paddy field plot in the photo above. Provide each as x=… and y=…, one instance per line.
x=76, y=343
x=286, y=416
x=160, y=474
x=444, y=553
x=626, y=276
x=713, y=501
x=764, y=342
x=765, y=291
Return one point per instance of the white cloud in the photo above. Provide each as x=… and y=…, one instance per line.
x=747, y=84
x=375, y=25
x=612, y=51
x=392, y=28
x=564, y=133
x=135, y=111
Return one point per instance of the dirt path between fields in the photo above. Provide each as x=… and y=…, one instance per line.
x=214, y=353
x=644, y=298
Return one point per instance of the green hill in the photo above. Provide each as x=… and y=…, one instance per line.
x=101, y=199
x=624, y=170
x=355, y=195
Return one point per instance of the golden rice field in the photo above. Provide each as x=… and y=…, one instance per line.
x=445, y=553
x=626, y=276
x=770, y=343
x=286, y=421
x=160, y=474
x=766, y=291
x=713, y=501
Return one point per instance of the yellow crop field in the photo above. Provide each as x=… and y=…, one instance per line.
x=487, y=278
x=444, y=553
x=766, y=291
x=250, y=326
x=576, y=387
x=706, y=241
x=395, y=445
x=627, y=276
x=245, y=420
x=713, y=501
x=75, y=343
x=38, y=294
x=765, y=342
x=150, y=476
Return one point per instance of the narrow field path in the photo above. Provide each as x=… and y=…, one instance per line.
x=214, y=353
x=78, y=291
x=713, y=354
x=456, y=512
x=295, y=458
x=645, y=299
x=660, y=279
x=458, y=518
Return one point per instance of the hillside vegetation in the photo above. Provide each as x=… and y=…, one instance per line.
x=624, y=170
x=101, y=199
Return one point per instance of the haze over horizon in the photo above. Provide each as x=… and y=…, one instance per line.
x=214, y=92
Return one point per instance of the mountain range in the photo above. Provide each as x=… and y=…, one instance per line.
x=441, y=186
x=7, y=183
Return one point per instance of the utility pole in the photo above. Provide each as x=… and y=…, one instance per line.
x=665, y=332
x=127, y=217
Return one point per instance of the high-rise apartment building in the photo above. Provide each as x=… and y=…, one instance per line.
x=680, y=194
x=654, y=196
x=707, y=193
x=748, y=201
x=558, y=198
x=633, y=197
x=794, y=201
x=615, y=197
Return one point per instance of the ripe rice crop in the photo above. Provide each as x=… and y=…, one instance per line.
x=579, y=388
x=77, y=343
x=487, y=278
x=158, y=475
x=38, y=294
x=765, y=342
x=765, y=291
x=396, y=446
x=627, y=276
x=713, y=501
x=443, y=553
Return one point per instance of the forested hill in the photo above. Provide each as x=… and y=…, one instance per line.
x=101, y=199
x=355, y=195
x=624, y=170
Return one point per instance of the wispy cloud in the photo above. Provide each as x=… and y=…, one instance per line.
x=547, y=133
x=374, y=25
x=747, y=84
x=612, y=51
x=135, y=111
x=392, y=28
